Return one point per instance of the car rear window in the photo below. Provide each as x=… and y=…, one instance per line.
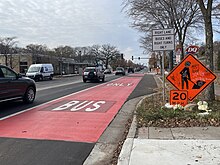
x=119, y=68
x=89, y=70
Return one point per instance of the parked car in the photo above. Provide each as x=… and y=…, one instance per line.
x=40, y=71
x=93, y=74
x=120, y=71
x=107, y=71
x=14, y=86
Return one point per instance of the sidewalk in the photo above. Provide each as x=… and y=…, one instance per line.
x=171, y=146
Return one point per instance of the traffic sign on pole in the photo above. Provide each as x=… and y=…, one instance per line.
x=191, y=75
x=178, y=97
x=192, y=49
x=163, y=39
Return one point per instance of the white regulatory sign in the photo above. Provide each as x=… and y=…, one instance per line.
x=163, y=39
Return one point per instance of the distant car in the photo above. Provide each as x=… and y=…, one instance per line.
x=107, y=71
x=14, y=86
x=119, y=71
x=130, y=70
x=93, y=74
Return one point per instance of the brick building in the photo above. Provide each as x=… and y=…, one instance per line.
x=21, y=62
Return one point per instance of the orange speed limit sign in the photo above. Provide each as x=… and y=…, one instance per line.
x=178, y=97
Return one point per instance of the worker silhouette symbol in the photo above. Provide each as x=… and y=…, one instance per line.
x=185, y=75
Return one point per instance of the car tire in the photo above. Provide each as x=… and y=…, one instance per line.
x=29, y=95
x=51, y=77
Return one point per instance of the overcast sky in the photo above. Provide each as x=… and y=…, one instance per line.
x=69, y=22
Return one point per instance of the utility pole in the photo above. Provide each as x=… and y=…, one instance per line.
x=80, y=56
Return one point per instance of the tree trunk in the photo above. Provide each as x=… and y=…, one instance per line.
x=206, y=10
x=183, y=52
x=207, y=15
x=209, y=53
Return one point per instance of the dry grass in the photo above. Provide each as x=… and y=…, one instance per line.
x=152, y=113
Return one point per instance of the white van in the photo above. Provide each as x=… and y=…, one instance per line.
x=40, y=71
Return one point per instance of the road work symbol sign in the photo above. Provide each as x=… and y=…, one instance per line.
x=191, y=75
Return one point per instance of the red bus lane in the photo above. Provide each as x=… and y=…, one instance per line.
x=80, y=117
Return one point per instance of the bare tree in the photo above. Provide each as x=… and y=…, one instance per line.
x=105, y=53
x=36, y=50
x=206, y=9
x=60, y=52
x=95, y=52
x=108, y=52
x=159, y=14
x=83, y=54
x=6, y=46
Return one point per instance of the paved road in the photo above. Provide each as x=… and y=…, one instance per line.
x=24, y=138
x=49, y=90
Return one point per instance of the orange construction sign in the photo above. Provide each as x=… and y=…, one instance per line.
x=178, y=97
x=191, y=75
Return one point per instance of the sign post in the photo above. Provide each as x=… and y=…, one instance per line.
x=178, y=52
x=163, y=39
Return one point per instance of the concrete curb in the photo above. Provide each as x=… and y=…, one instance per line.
x=125, y=154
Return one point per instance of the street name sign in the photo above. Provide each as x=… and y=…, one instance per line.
x=163, y=39
x=191, y=75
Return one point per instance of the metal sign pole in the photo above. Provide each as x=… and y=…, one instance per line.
x=163, y=74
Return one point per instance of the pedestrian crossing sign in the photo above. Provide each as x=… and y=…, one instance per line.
x=191, y=75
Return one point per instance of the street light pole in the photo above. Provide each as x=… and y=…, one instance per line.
x=80, y=56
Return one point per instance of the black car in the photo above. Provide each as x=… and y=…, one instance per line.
x=130, y=70
x=14, y=86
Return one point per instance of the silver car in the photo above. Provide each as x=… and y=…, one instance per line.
x=93, y=74
x=120, y=71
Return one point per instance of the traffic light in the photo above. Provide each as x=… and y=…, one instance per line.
x=122, y=56
x=132, y=57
